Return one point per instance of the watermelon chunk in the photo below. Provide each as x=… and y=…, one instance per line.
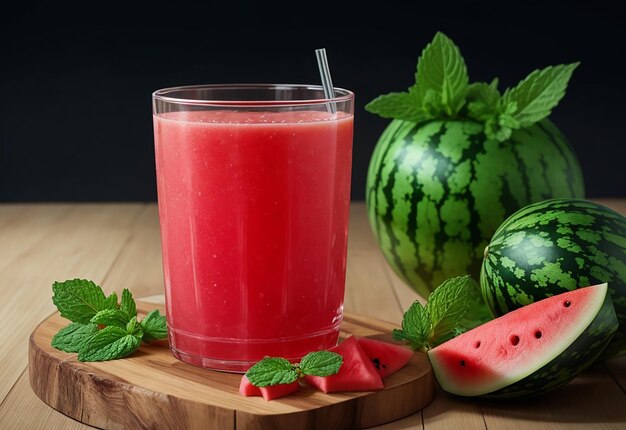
x=531, y=350
x=275, y=391
x=270, y=392
x=247, y=389
x=386, y=357
x=357, y=373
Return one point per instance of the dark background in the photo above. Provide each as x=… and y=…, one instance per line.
x=75, y=80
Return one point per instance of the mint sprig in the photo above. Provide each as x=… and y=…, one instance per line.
x=441, y=78
x=114, y=317
x=154, y=326
x=276, y=370
x=424, y=327
x=537, y=94
x=442, y=91
x=102, y=329
x=74, y=337
x=109, y=343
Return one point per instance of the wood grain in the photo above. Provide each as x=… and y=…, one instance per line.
x=151, y=389
x=72, y=248
x=118, y=245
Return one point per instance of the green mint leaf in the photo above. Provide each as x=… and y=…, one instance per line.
x=154, y=326
x=111, y=317
x=538, y=93
x=415, y=342
x=78, y=300
x=415, y=327
x=483, y=101
x=478, y=311
x=446, y=307
x=73, y=337
x=321, y=363
x=109, y=343
x=405, y=106
x=271, y=371
x=127, y=304
x=134, y=328
x=111, y=301
x=441, y=69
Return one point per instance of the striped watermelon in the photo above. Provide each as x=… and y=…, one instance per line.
x=437, y=191
x=554, y=246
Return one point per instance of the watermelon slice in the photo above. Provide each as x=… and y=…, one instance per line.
x=531, y=350
x=386, y=357
x=269, y=393
x=357, y=373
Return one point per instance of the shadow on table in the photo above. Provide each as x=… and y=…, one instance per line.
x=593, y=397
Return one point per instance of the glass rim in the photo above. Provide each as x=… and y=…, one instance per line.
x=162, y=95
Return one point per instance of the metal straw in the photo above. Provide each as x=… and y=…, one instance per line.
x=327, y=82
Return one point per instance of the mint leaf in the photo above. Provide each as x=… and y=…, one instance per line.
x=321, y=363
x=111, y=301
x=128, y=305
x=73, y=337
x=78, y=300
x=478, y=311
x=415, y=327
x=446, y=306
x=441, y=71
x=271, y=371
x=154, y=326
x=134, y=328
x=483, y=101
x=110, y=343
x=405, y=106
x=538, y=93
x=110, y=317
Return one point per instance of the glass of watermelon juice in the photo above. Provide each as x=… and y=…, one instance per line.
x=254, y=192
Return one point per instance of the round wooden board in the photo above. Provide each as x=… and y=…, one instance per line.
x=152, y=389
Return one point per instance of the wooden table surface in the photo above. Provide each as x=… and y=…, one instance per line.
x=117, y=246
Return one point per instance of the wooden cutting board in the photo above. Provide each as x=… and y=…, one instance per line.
x=152, y=389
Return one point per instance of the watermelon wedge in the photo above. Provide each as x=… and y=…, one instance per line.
x=357, y=373
x=269, y=393
x=386, y=357
x=531, y=350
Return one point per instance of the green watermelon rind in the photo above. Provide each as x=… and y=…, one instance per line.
x=436, y=192
x=587, y=340
x=554, y=246
x=570, y=363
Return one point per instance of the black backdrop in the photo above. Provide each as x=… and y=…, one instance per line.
x=75, y=81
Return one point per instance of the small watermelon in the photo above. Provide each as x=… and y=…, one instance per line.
x=357, y=372
x=386, y=357
x=529, y=351
x=270, y=392
x=555, y=246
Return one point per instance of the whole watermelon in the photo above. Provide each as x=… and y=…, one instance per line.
x=437, y=191
x=555, y=246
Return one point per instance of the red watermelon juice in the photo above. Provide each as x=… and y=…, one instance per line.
x=253, y=207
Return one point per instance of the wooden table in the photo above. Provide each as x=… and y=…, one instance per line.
x=117, y=245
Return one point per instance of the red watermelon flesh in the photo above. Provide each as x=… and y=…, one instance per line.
x=280, y=390
x=386, y=357
x=515, y=346
x=247, y=389
x=357, y=372
x=270, y=392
